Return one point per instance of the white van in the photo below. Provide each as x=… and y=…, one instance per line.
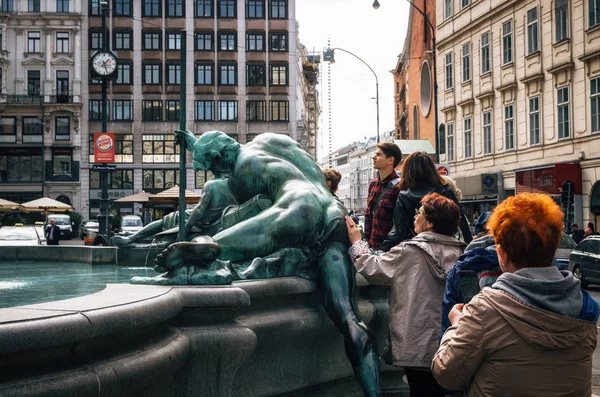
x=131, y=224
x=64, y=223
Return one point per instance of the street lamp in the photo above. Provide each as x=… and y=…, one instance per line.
x=435, y=84
x=328, y=56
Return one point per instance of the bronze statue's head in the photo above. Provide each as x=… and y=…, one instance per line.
x=215, y=151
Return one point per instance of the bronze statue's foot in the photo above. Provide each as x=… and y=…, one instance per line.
x=178, y=277
x=120, y=241
x=216, y=272
x=205, y=250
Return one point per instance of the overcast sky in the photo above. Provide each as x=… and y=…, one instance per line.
x=376, y=36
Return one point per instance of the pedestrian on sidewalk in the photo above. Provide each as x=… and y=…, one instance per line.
x=416, y=271
x=533, y=332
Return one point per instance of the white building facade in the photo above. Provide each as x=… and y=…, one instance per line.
x=519, y=97
x=40, y=101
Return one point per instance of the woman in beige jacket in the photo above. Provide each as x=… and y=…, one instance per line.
x=416, y=270
x=534, y=331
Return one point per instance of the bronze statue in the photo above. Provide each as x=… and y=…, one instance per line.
x=301, y=232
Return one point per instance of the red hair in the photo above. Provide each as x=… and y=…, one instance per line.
x=442, y=213
x=528, y=226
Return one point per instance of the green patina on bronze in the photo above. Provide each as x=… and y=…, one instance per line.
x=270, y=214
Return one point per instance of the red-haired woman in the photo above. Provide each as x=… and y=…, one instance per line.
x=534, y=331
x=416, y=270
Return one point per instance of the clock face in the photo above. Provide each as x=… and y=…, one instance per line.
x=104, y=63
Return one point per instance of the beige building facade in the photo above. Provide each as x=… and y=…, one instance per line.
x=519, y=97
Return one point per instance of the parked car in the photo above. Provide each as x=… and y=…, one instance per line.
x=584, y=261
x=563, y=252
x=21, y=235
x=64, y=224
x=131, y=224
x=87, y=227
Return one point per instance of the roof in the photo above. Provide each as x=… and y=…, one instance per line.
x=409, y=146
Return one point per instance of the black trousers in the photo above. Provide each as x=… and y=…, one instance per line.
x=423, y=384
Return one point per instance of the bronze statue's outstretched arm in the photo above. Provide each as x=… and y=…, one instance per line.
x=190, y=138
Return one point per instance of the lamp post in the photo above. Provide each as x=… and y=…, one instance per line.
x=328, y=56
x=435, y=84
x=104, y=220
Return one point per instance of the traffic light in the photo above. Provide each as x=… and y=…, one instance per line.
x=567, y=193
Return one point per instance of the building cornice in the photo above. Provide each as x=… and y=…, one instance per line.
x=589, y=56
x=508, y=86
x=532, y=78
x=486, y=94
x=560, y=67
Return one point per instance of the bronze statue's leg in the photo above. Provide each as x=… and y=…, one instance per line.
x=338, y=279
x=148, y=231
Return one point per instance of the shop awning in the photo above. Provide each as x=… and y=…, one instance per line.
x=46, y=204
x=141, y=197
x=6, y=205
x=171, y=196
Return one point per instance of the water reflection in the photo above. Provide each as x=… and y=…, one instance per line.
x=26, y=283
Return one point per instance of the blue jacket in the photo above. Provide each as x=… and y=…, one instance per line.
x=484, y=261
x=589, y=309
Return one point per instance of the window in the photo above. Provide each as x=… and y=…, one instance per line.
x=152, y=40
x=33, y=5
x=204, y=110
x=62, y=5
x=255, y=41
x=466, y=62
x=61, y=162
x=255, y=8
x=159, y=149
x=119, y=179
x=204, y=41
x=7, y=6
x=157, y=180
x=152, y=73
x=202, y=178
x=227, y=41
x=595, y=103
x=34, y=86
x=124, y=73
x=33, y=130
x=173, y=41
x=122, y=8
x=448, y=9
x=203, y=8
x=532, y=31
x=62, y=128
x=464, y=3
x=227, y=74
x=62, y=42
x=442, y=139
x=562, y=100
x=594, y=12
x=96, y=109
x=173, y=73
x=449, y=72
x=561, y=20
x=175, y=8
x=468, y=135
x=450, y=138
x=228, y=110
x=256, y=110
x=278, y=9
x=8, y=129
x=279, y=42
x=151, y=110
x=487, y=132
x=96, y=40
x=151, y=8
x=485, y=53
x=122, y=40
x=1, y=39
x=509, y=127
x=123, y=153
x=95, y=7
x=204, y=74
x=507, y=42
x=278, y=74
x=227, y=8
x=279, y=110
x=255, y=74
x=33, y=42
x=534, y=120
x=172, y=110
x=122, y=110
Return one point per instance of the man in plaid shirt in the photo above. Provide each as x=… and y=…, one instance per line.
x=383, y=193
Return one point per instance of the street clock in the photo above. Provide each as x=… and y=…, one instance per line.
x=104, y=64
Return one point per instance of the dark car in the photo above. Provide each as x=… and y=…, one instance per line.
x=584, y=261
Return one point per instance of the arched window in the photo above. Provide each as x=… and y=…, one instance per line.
x=425, y=88
x=415, y=122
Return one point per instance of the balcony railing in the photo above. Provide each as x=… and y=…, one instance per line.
x=61, y=97
x=24, y=99
x=55, y=97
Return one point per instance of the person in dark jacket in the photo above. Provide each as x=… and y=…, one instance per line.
x=576, y=233
x=52, y=233
x=419, y=178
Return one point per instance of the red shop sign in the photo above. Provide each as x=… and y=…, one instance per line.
x=104, y=147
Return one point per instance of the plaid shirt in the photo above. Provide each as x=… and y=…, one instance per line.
x=378, y=226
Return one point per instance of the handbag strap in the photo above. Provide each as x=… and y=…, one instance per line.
x=390, y=185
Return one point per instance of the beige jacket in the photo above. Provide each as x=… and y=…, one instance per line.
x=416, y=270
x=503, y=347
